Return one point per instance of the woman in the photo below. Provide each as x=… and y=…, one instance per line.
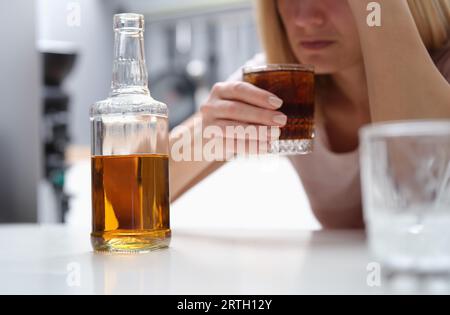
x=397, y=71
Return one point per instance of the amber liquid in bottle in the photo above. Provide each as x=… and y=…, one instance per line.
x=130, y=199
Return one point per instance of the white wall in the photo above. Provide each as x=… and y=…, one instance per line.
x=19, y=112
x=156, y=9
x=91, y=78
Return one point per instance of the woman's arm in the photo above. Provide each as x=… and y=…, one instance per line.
x=186, y=174
x=402, y=79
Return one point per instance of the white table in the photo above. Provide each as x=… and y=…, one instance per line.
x=59, y=260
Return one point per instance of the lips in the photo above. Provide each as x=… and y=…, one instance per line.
x=316, y=44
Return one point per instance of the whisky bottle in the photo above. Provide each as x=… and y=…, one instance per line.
x=130, y=176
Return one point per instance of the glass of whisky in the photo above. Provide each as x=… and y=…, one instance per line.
x=130, y=176
x=294, y=84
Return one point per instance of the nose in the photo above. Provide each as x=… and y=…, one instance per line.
x=308, y=13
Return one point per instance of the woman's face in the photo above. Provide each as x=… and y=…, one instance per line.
x=322, y=33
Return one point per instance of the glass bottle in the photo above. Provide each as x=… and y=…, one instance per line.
x=130, y=176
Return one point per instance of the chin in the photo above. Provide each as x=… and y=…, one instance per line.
x=321, y=65
x=325, y=69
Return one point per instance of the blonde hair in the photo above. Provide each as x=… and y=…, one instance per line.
x=432, y=18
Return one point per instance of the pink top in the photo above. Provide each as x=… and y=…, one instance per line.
x=332, y=180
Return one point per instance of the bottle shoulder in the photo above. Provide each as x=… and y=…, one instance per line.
x=129, y=104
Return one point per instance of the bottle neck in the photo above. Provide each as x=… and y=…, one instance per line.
x=129, y=68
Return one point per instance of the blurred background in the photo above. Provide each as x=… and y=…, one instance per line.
x=56, y=60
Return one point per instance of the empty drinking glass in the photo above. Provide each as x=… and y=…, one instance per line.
x=406, y=191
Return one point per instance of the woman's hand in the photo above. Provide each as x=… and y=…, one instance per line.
x=246, y=110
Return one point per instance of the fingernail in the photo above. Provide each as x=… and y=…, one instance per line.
x=275, y=101
x=280, y=120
